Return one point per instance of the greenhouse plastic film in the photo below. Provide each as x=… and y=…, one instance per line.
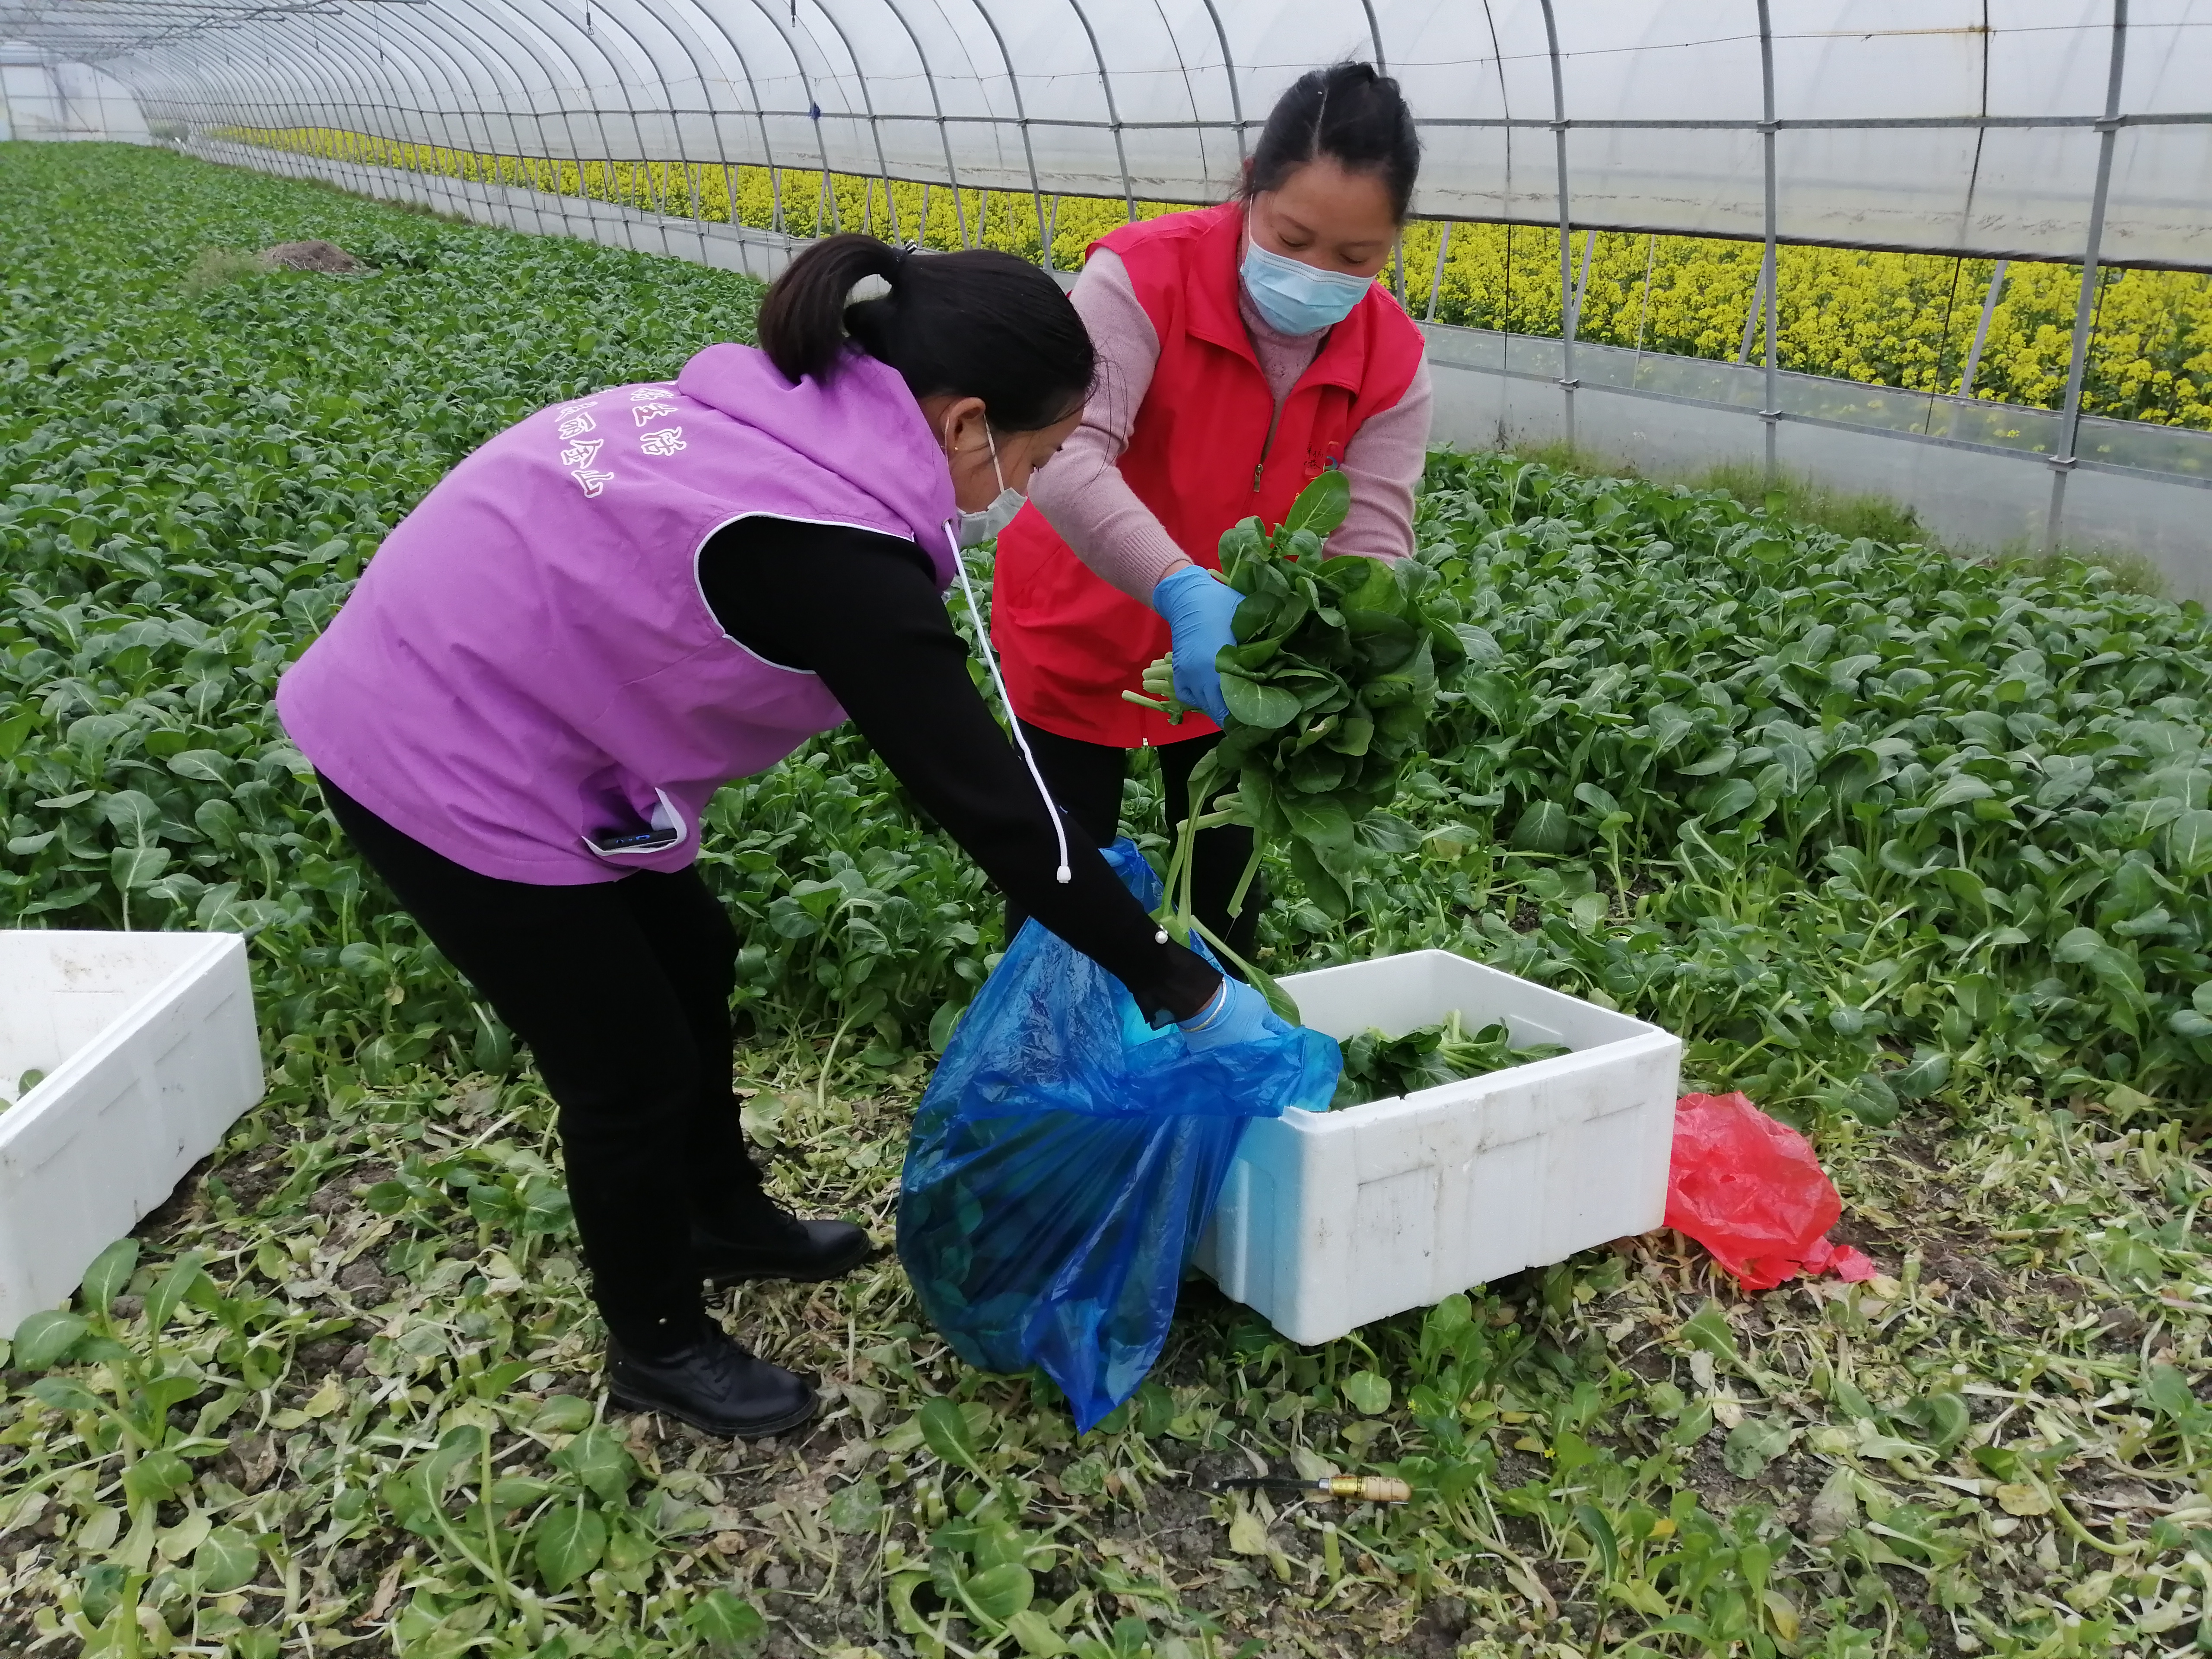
x=1066, y=1157
x=1662, y=100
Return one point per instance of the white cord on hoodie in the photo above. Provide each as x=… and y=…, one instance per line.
x=1065, y=873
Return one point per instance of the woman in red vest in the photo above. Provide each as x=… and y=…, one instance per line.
x=1242, y=349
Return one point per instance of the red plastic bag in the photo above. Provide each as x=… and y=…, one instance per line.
x=1749, y=1189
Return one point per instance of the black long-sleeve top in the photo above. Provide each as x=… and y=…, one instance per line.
x=862, y=610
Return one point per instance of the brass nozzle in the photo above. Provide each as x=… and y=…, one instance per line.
x=1368, y=1488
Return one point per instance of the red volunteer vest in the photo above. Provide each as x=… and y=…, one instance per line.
x=1201, y=456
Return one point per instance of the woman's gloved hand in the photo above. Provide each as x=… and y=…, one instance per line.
x=1198, y=607
x=1236, y=1013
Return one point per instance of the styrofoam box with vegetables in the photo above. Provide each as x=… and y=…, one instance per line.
x=1328, y=1220
x=149, y=1052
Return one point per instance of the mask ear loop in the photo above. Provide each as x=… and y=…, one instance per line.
x=1064, y=874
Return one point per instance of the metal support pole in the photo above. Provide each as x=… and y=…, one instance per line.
x=1751, y=316
x=1772, y=414
x=1227, y=69
x=1644, y=316
x=1022, y=114
x=1437, y=278
x=1566, y=252
x=1113, y=115
x=1981, y=329
x=2069, y=420
x=1582, y=279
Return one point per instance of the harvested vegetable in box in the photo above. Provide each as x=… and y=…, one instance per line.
x=1379, y=1067
x=1329, y=685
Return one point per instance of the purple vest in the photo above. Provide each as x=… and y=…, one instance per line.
x=528, y=666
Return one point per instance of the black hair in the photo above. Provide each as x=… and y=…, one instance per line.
x=1350, y=114
x=975, y=324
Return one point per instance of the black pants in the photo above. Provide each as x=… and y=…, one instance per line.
x=622, y=991
x=1085, y=778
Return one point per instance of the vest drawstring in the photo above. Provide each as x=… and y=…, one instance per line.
x=1065, y=873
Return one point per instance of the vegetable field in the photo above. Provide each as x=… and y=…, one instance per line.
x=1899, y=319
x=1919, y=854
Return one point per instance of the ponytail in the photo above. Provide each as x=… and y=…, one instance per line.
x=1349, y=115
x=974, y=324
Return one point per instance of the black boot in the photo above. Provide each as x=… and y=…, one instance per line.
x=717, y=1386
x=776, y=1244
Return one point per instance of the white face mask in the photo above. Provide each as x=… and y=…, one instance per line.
x=976, y=528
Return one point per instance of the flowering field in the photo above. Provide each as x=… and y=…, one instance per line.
x=1901, y=320
x=1918, y=853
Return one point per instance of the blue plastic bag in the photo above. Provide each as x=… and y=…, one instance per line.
x=1066, y=1157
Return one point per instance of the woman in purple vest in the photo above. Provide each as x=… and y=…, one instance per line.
x=622, y=603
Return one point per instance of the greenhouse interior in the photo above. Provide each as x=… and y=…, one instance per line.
x=1713, y=918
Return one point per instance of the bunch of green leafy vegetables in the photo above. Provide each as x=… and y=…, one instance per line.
x=1381, y=1068
x=1335, y=670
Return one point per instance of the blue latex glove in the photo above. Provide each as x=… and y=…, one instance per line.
x=1235, y=1013
x=1198, y=607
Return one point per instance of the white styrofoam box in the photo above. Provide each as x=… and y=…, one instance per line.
x=1330, y=1219
x=150, y=1050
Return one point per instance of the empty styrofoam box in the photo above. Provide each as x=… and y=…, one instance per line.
x=149, y=1051
x=1330, y=1219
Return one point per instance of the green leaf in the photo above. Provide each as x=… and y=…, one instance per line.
x=2189, y=844
x=1724, y=798
x=44, y=1339
x=1368, y=1393
x=1957, y=790
x=132, y=811
x=1599, y=1530
x=856, y=1508
x=1942, y=1418
x=157, y=1474
x=510, y=1493
x=1597, y=798
x=598, y=1458
x=1320, y=823
x=134, y=867
x=1708, y=1328
x=65, y=1393
x=1753, y=1444
x=1326, y=892
x=567, y=1543
x=1321, y=505
x=1252, y=703
x=110, y=1271
x=2188, y=1023
x=171, y=1289
x=727, y=1624
x=1929, y=1071
x=226, y=1560
x=1543, y=828
x=1494, y=697
x=1036, y=1635
x=562, y=1413
x=1871, y=1099
x=1001, y=1592
x=945, y=1430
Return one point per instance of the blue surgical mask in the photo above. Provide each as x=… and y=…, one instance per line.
x=976, y=528
x=1295, y=298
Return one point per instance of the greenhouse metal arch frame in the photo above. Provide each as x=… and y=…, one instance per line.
x=2070, y=130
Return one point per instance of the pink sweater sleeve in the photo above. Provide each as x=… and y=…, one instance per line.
x=1084, y=497
x=1081, y=491
x=1383, y=463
